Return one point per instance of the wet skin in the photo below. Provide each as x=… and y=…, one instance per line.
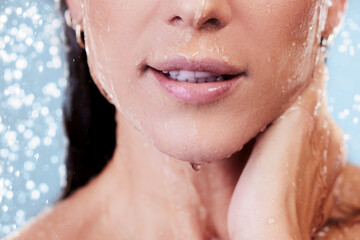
x=146, y=192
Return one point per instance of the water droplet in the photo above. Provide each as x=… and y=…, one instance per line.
x=263, y=129
x=196, y=166
x=271, y=221
x=226, y=59
x=196, y=53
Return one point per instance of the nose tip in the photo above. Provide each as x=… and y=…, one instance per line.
x=201, y=14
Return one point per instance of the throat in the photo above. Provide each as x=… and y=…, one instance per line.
x=172, y=201
x=160, y=197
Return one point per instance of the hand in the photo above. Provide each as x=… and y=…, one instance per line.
x=286, y=190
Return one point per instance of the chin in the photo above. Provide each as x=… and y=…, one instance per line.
x=194, y=151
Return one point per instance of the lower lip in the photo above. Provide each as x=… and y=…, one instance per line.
x=200, y=93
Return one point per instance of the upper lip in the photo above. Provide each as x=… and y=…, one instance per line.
x=199, y=65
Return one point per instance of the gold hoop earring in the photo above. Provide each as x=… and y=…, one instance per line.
x=76, y=27
x=80, y=36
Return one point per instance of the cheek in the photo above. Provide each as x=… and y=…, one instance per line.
x=286, y=33
x=111, y=58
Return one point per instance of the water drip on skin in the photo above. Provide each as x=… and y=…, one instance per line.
x=226, y=59
x=269, y=8
x=271, y=221
x=138, y=62
x=195, y=54
x=196, y=166
x=322, y=233
x=299, y=100
x=263, y=129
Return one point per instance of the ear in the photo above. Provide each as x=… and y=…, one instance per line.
x=75, y=7
x=334, y=18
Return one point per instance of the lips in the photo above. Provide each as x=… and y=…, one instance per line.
x=199, y=82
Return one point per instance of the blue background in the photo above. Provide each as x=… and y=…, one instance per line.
x=32, y=81
x=344, y=84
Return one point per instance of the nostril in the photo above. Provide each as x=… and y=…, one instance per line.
x=176, y=20
x=212, y=23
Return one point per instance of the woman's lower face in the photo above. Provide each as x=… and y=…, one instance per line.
x=200, y=78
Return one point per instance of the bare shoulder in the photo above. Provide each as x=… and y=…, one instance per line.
x=84, y=215
x=66, y=220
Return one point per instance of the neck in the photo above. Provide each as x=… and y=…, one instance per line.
x=164, y=196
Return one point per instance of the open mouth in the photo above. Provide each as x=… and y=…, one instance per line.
x=202, y=81
x=196, y=76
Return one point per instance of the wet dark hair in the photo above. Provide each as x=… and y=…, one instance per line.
x=88, y=117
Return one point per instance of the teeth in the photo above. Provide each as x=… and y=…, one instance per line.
x=203, y=74
x=193, y=77
x=211, y=79
x=174, y=74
